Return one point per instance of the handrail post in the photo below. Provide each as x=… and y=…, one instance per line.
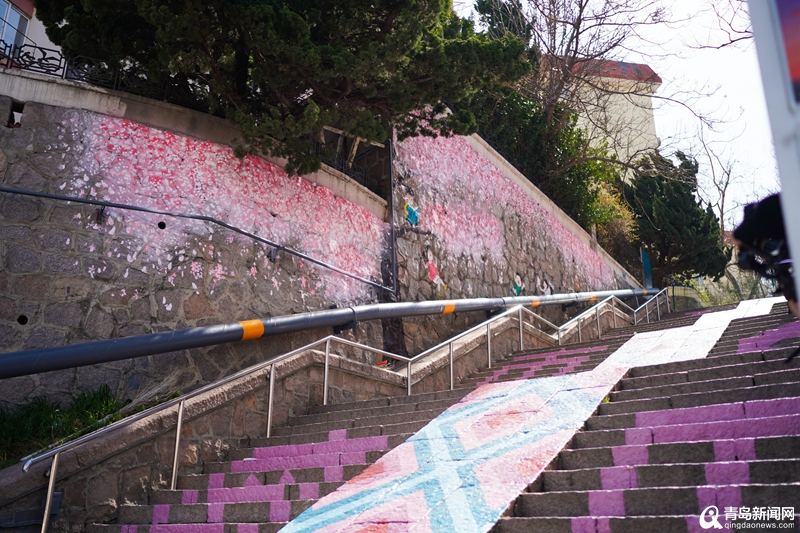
x=559, y=336
x=325, y=376
x=614, y=311
x=658, y=307
x=580, y=334
x=409, y=378
x=178, y=429
x=520, y=330
x=271, y=396
x=489, y=342
x=597, y=317
x=51, y=485
x=452, y=386
x=647, y=311
x=666, y=296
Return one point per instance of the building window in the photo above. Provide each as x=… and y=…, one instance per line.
x=14, y=24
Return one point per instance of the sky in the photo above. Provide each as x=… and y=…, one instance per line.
x=732, y=74
x=729, y=81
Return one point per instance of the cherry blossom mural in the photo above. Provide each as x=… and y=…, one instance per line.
x=130, y=163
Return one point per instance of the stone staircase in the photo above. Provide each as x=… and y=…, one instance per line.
x=676, y=438
x=731, y=414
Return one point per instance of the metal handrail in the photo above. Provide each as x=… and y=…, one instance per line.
x=278, y=359
x=55, y=453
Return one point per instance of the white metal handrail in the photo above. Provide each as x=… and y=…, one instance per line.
x=55, y=453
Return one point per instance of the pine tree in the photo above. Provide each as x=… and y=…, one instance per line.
x=681, y=238
x=284, y=70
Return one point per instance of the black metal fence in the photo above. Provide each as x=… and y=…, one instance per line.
x=96, y=72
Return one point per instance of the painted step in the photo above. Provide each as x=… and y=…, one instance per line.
x=252, y=491
x=351, y=433
x=705, y=369
x=331, y=416
x=213, y=513
x=327, y=461
x=326, y=474
x=652, y=501
x=266, y=527
x=629, y=524
x=709, y=451
x=757, y=392
x=456, y=395
x=780, y=376
x=672, y=475
x=710, y=413
x=288, y=440
x=728, y=429
x=392, y=419
x=332, y=445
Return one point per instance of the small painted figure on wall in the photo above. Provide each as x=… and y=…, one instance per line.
x=433, y=272
x=544, y=287
x=517, y=286
x=410, y=212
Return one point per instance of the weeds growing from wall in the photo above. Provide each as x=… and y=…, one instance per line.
x=38, y=423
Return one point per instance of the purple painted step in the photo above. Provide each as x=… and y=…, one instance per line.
x=337, y=443
x=647, y=502
x=769, y=338
x=536, y=362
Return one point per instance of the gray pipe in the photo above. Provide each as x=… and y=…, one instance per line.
x=49, y=359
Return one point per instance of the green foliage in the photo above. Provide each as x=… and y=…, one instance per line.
x=38, y=423
x=557, y=160
x=682, y=239
x=284, y=70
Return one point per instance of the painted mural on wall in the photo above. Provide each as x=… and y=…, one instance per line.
x=483, y=222
x=75, y=273
x=152, y=168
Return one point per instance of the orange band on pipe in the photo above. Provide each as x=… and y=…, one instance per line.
x=593, y=298
x=253, y=329
x=535, y=302
x=644, y=291
x=449, y=308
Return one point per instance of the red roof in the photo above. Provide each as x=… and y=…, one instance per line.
x=610, y=69
x=618, y=69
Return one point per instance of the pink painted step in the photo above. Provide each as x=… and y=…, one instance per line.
x=332, y=446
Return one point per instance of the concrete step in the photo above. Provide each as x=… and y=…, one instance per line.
x=368, y=412
x=264, y=527
x=731, y=411
x=591, y=524
x=455, y=395
x=660, y=501
x=672, y=475
x=708, y=374
x=327, y=474
x=727, y=429
x=706, y=363
x=210, y=513
x=381, y=442
x=324, y=460
x=778, y=376
x=757, y=392
x=708, y=451
x=252, y=492
x=391, y=419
